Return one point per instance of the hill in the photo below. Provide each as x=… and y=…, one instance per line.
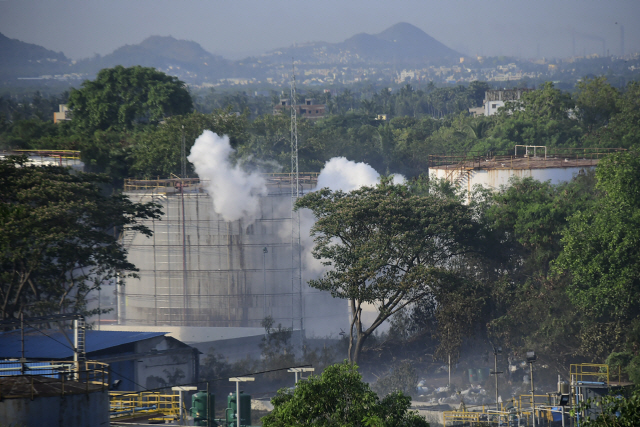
x=185, y=59
x=401, y=43
x=20, y=59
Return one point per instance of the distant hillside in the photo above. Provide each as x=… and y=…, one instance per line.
x=400, y=44
x=20, y=59
x=185, y=59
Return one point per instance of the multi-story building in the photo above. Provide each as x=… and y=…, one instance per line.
x=309, y=110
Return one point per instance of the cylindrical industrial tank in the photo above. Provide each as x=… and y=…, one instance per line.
x=245, y=409
x=202, y=407
x=200, y=270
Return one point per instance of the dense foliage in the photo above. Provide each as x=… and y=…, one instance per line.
x=388, y=246
x=557, y=271
x=120, y=97
x=58, y=238
x=339, y=397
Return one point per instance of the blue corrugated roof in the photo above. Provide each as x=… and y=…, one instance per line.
x=54, y=345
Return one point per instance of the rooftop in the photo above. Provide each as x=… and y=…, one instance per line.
x=53, y=344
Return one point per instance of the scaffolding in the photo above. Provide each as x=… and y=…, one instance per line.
x=201, y=270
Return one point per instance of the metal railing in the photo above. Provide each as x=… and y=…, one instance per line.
x=61, y=154
x=123, y=405
x=133, y=184
x=55, y=377
x=589, y=372
x=506, y=160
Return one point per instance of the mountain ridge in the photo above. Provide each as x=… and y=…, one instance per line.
x=400, y=44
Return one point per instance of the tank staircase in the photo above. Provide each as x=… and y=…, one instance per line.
x=127, y=238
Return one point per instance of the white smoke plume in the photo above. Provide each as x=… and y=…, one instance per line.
x=235, y=193
x=337, y=174
x=346, y=175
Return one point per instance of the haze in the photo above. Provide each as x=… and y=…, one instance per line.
x=236, y=29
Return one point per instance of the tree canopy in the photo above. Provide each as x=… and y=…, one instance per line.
x=602, y=244
x=339, y=397
x=58, y=237
x=121, y=97
x=388, y=246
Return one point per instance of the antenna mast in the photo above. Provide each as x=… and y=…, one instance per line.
x=296, y=259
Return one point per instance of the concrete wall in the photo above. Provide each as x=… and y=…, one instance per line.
x=77, y=410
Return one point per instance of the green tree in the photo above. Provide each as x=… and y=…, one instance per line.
x=601, y=250
x=596, y=102
x=121, y=97
x=387, y=246
x=617, y=409
x=157, y=150
x=339, y=397
x=58, y=238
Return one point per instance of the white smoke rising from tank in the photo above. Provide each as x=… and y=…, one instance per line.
x=345, y=175
x=337, y=174
x=235, y=193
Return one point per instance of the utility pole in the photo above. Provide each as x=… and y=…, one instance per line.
x=264, y=281
x=183, y=168
x=496, y=351
x=296, y=259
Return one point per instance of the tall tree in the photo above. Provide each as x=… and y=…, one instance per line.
x=596, y=102
x=387, y=246
x=58, y=238
x=601, y=250
x=120, y=97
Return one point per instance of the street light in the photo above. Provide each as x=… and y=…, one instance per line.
x=181, y=389
x=239, y=380
x=300, y=370
x=531, y=357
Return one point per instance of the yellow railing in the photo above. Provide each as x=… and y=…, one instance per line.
x=597, y=372
x=135, y=404
x=524, y=400
x=451, y=418
x=62, y=154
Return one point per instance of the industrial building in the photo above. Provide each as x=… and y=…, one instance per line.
x=137, y=360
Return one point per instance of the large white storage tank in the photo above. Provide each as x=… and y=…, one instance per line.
x=200, y=270
x=494, y=171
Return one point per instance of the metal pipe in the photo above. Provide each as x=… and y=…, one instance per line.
x=238, y=421
x=22, y=358
x=185, y=290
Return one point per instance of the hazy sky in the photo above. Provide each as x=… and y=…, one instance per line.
x=237, y=28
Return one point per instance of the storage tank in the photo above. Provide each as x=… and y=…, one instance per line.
x=200, y=270
x=537, y=162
